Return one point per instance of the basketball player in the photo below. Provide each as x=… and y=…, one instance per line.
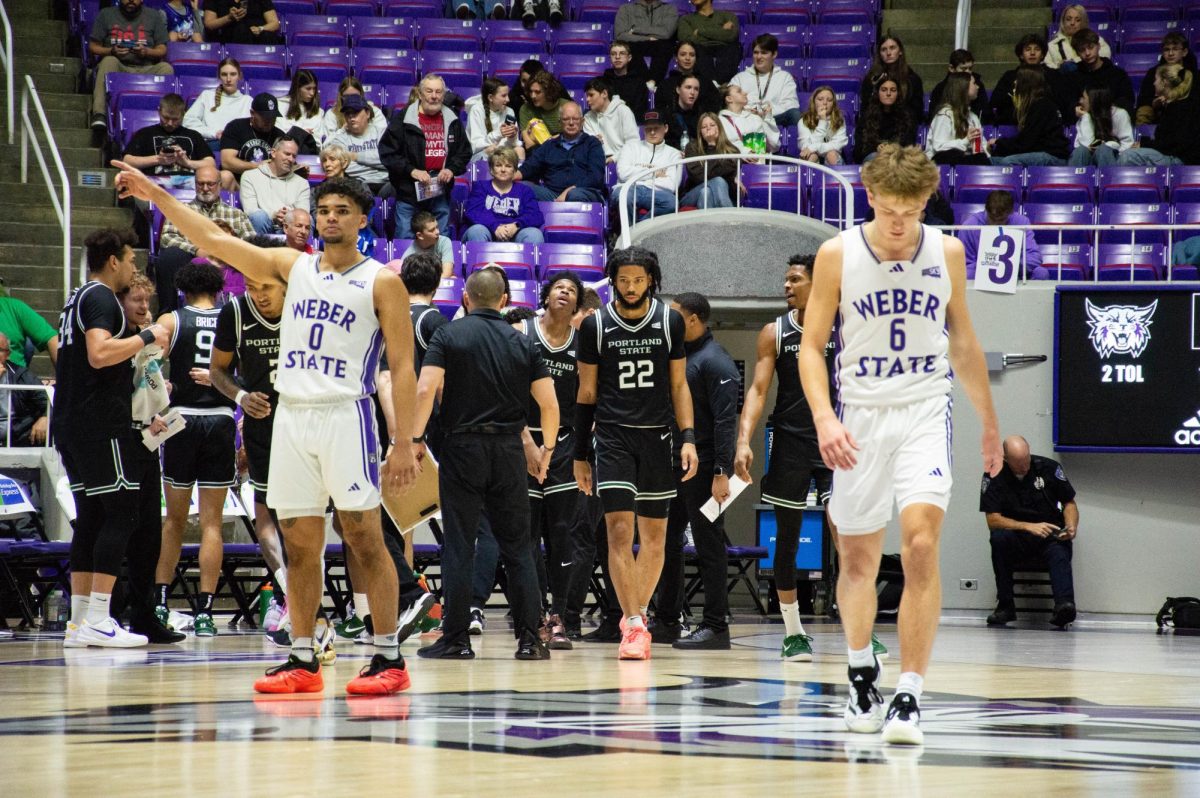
x=632, y=373
x=898, y=290
x=554, y=501
x=248, y=336
x=202, y=453
x=338, y=310
x=795, y=459
x=92, y=427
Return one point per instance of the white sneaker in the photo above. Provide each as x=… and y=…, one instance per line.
x=108, y=634
x=271, y=619
x=71, y=638
x=323, y=638
x=903, y=724
x=864, y=708
x=477, y=622
x=179, y=621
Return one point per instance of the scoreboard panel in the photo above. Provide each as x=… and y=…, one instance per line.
x=1127, y=368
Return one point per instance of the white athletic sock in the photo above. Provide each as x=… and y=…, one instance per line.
x=387, y=645
x=861, y=658
x=644, y=609
x=79, y=608
x=361, y=608
x=635, y=621
x=302, y=649
x=97, y=611
x=791, y=618
x=911, y=683
x=281, y=578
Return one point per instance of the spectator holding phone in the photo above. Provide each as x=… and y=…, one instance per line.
x=1031, y=512
x=169, y=150
x=491, y=124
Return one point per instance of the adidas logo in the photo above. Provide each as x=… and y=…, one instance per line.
x=354, y=487
x=937, y=472
x=1188, y=433
x=897, y=269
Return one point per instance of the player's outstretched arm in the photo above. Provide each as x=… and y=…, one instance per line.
x=754, y=401
x=837, y=446
x=966, y=356
x=254, y=262
x=391, y=305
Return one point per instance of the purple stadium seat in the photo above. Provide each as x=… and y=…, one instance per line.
x=1066, y=262
x=1145, y=37
x=316, y=173
x=587, y=260
x=964, y=209
x=574, y=222
x=385, y=66
x=598, y=10
x=383, y=250
x=259, y=60
x=792, y=39
x=507, y=65
x=292, y=8
x=1065, y=184
x=1148, y=11
x=840, y=74
x=783, y=12
x=448, y=297
x=776, y=187
x=1122, y=262
x=523, y=293
x=276, y=86
x=574, y=65
x=192, y=58
x=1137, y=64
x=827, y=198
x=511, y=36
x=327, y=63
x=453, y=67
x=519, y=261
x=456, y=35
x=845, y=12
x=127, y=90
x=389, y=32
x=131, y=120
x=351, y=8
x=1132, y=183
x=1064, y=216
x=974, y=183
x=591, y=38
x=413, y=8
x=1154, y=213
x=326, y=31
x=1185, y=184
x=841, y=41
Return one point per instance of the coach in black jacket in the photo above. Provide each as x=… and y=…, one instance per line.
x=425, y=143
x=714, y=380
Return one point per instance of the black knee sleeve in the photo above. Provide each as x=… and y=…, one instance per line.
x=120, y=519
x=787, y=541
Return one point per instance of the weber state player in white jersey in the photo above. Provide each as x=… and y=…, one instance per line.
x=898, y=290
x=201, y=455
x=632, y=374
x=339, y=309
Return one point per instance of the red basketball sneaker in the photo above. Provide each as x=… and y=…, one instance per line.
x=293, y=676
x=382, y=676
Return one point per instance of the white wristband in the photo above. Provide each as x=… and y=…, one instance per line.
x=237, y=400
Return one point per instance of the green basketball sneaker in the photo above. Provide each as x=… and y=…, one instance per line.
x=162, y=614
x=204, y=626
x=797, y=648
x=877, y=648
x=350, y=628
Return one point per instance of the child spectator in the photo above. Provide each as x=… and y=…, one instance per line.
x=822, y=129
x=491, y=124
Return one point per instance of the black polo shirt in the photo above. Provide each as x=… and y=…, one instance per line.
x=1034, y=499
x=489, y=369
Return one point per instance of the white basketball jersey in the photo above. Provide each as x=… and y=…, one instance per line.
x=329, y=340
x=892, y=337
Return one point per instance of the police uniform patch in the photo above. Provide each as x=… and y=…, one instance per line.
x=1039, y=483
x=986, y=481
x=1059, y=475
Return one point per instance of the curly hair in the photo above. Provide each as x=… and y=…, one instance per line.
x=567, y=275
x=353, y=190
x=635, y=256
x=199, y=278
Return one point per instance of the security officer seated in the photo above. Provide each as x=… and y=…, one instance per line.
x=1032, y=515
x=485, y=372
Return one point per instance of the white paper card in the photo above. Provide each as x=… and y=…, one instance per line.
x=711, y=509
x=175, y=423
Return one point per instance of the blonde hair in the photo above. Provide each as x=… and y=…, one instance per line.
x=219, y=92
x=903, y=172
x=1083, y=15
x=505, y=155
x=811, y=119
x=336, y=151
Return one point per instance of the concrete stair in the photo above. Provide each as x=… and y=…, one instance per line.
x=31, y=240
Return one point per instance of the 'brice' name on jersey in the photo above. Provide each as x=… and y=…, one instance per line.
x=323, y=311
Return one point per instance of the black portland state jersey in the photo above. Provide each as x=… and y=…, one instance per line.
x=87, y=400
x=191, y=347
x=633, y=383
x=254, y=341
x=561, y=363
x=426, y=320
x=792, y=413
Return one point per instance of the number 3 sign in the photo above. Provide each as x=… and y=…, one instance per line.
x=1001, y=250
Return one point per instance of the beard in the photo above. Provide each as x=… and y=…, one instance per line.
x=644, y=299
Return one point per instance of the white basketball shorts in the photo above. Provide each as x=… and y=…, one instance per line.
x=904, y=456
x=324, y=451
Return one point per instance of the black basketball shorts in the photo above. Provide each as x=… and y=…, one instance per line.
x=634, y=469
x=794, y=462
x=203, y=453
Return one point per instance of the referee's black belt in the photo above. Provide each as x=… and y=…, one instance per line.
x=489, y=429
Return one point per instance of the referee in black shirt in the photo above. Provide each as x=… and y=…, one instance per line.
x=485, y=371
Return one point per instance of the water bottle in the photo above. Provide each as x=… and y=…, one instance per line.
x=820, y=598
x=55, y=611
x=266, y=594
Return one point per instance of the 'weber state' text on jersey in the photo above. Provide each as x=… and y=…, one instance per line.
x=330, y=339
x=254, y=341
x=893, y=341
x=191, y=348
x=792, y=412
x=633, y=381
x=561, y=363
x=92, y=402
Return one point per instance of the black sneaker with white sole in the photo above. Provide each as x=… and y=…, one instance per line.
x=903, y=723
x=413, y=615
x=864, y=708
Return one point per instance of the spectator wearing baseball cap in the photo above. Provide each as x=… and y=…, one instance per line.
x=655, y=192
x=247, y=142
x=361, y=140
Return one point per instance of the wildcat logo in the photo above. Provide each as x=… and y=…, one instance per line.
x=1120, y=329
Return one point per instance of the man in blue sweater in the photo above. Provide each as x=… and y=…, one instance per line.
x=570, y=166
x=499, y=209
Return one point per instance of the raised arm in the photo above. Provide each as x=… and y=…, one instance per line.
x=754, y=401
x=256, y=263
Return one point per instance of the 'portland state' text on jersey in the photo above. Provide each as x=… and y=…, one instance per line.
x=254, y=341
x=792, y=412
x=893, y=341
x=633, y=382
x=191, y=348
x=561, y=363
x=330, y=338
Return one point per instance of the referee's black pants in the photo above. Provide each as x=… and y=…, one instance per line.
x=480, y=471
x=709, y=539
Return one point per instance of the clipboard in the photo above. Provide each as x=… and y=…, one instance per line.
x=419, y=504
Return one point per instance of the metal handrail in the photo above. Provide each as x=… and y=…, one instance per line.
x=648, y=172
x=962, y=24
x=1094, y=243
x=6, y=60
x=62, y=208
